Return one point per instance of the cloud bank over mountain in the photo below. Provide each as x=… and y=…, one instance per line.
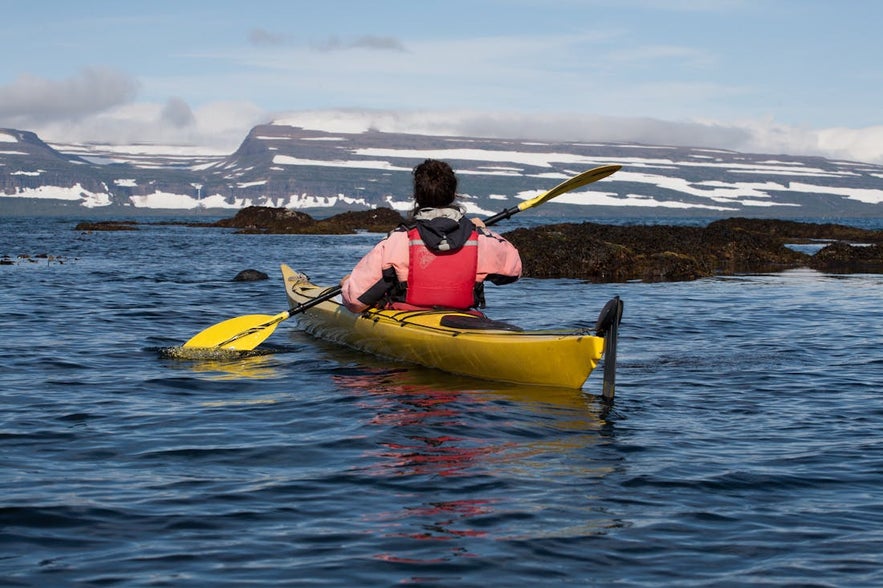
x=99, y=105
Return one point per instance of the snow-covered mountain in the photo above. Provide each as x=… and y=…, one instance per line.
x=325, y=172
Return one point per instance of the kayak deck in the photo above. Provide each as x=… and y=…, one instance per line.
x=454, y=341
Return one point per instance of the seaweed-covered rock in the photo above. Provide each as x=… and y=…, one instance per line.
x=378, y=220
x=571, y=251
x=840, y=257
x=669, y=266
x=263, y=219
x=609, y=253
x=107, y=226
x=737, y=248
x=797, y=232
x=613, y=253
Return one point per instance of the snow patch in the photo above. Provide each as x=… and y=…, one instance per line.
x=76, y=192
x=360, y=164
x=867, y=195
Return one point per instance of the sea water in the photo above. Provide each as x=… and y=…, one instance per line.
x=744, y=446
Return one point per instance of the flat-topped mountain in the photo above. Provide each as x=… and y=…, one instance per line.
x=324, y=173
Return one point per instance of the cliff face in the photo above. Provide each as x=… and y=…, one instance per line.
x=29, y=164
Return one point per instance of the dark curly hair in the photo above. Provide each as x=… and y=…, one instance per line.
x=435, y=184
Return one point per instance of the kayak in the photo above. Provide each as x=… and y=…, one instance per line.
x=460, y=342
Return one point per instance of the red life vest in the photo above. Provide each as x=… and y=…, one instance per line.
x=441, y=278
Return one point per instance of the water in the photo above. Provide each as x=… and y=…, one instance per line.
x=744, y=446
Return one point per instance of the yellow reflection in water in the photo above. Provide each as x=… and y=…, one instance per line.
x=224, y=364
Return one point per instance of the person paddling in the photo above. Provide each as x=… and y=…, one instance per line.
x=438, y=258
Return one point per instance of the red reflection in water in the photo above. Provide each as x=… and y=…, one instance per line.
x=400, y=406
x=409, y=414
x=425, y=435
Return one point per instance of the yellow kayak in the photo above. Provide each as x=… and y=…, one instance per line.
x=460, y=342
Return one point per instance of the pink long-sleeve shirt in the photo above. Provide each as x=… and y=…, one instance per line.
x=498, y=262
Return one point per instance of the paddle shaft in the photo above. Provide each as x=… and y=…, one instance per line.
x=506, y=214
x=298, y=308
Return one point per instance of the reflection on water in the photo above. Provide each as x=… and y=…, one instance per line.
x=224, y=364
x=477, y=464
x=415, y=414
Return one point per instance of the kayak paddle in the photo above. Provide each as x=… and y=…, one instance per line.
x=244, y=333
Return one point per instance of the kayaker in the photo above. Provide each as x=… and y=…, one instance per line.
x=438, y=258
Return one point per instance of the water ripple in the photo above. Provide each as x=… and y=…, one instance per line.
x=743, y=447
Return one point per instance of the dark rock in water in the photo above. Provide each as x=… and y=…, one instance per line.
x=262, y=219
x=604, y=253
x=795, y=232
x=37, y=258
x=107, y=226
x=842, y=257
x=378, y=220
x=653, y=253
x=611, y=253
x=250, y=275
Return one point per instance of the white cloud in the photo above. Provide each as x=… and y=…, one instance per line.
x=225, y=124
x=372, y=42
x=263, y=38
x=31, y=99
x=862, y=144
x=217, y=125
x=753, y=136
x=177, y=113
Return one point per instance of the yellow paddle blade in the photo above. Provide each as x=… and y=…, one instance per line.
x=577, y=181
x=242, y=333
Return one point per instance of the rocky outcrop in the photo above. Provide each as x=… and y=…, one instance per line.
x=842, y=257
x=654, y=253
x=250, y=275
x=27, y=258
x=262, y=219
x=614, y=253
x=378, y=220
x=107, y=226
x=620, y=253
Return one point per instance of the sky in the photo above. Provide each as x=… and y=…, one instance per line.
x=798, y=77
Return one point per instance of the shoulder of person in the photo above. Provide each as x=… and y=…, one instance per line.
x=399, y=230
x=487, y=234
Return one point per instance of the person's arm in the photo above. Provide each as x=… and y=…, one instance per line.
x=376, y=272
x=498, y=260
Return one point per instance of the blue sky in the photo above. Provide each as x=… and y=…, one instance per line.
x=792, y=76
